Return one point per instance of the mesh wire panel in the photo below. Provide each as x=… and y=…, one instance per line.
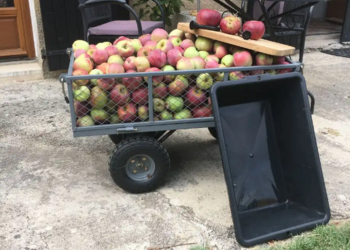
x=126, y=100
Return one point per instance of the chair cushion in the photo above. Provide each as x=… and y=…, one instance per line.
x=124, y=28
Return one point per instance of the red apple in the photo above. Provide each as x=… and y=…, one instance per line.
x=195, y=97
x=211, y=64
x=180, y=49
x=283, y=71
x=279, y=59
x=230, y=25
x=115, y=68
x=178, y=86
x=157, y=58
x=212, y=57
x=242, y=59
x=80, y=72
x=129, y=63
x=202, y=112
x=208, y=17
x=174, y=56
x=132, y=83
x=185, y=64
x=145, y=38
x=159, y=34
x=127, y=113
x=156, y=79
x=199, y=62
x=120, y=94
x=121, y=38
x=142, y=64
x=140, y=96
x=81, y=108
x=161, y=91
x=111, y=50
x=256, y=28
x=263, y=59
x=79, y=52
x=125, y=48
x=103, y=67
x=186, y=44
x=144, y=51
x=100, y=56
x=165, y=45
x=220, y=52
x=151, y=44
x=106, y=84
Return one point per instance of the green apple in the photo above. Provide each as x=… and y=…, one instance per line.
x=171, y=77
x=158, y=105
x=183, y=114
x=98, y=98
x=114, y=119
x=85, y=121
x=204, y=81
x=82, y=94
x=227, y=61
x=111, y=107
x=271, y=72
x=203, y=54
x=99, y=115
x=166, y=115
x=219, y=77
x=174, y=103
x=203, y=43
x=191, y=52
x=95, y=72
x=136, y=44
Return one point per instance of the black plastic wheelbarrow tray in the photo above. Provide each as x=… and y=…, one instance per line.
x=270, y=157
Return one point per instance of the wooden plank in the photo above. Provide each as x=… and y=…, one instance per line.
x=262, y=45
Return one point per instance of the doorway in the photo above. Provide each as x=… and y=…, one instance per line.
x=16, y=35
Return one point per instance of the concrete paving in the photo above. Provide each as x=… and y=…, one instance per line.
x=56, y=192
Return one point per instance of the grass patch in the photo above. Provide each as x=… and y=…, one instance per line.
x=330, y=237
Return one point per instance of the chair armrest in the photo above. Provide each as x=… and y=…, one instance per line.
x=161, y=11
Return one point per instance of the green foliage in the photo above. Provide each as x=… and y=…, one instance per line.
x=170, y=7
x=331, y=237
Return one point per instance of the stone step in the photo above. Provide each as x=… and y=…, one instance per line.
x=20, y=71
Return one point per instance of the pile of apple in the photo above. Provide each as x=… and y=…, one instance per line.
x=120, y=100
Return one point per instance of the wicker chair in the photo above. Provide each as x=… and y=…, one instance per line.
x=98, y=22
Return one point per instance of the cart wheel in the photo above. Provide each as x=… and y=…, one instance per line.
x=139, y=164
x=213, y=132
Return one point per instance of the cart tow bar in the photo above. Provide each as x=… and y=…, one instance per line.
x=63, y=81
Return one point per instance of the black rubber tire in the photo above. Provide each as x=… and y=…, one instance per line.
x=213, y=132
x=116, y=139
x=133, y=146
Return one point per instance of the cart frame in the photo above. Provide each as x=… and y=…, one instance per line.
x=151, y=125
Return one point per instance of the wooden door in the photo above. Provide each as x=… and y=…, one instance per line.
x=336, y=10
x=16, y=38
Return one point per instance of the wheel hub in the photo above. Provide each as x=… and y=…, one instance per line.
x=140, y=167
